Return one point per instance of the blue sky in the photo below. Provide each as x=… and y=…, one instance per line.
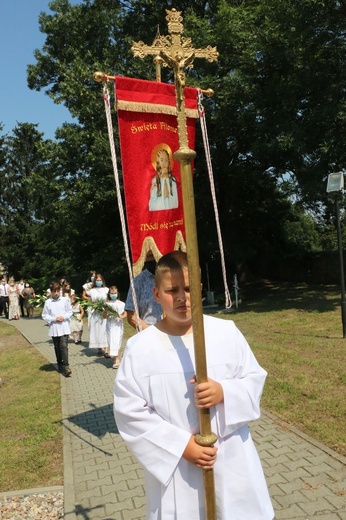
x=19, y=37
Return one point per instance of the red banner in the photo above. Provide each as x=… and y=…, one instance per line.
x=148, y=139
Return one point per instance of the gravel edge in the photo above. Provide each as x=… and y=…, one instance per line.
x=32, y=504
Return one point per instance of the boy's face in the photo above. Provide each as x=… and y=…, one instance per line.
x=55, y=294
x=173, y=294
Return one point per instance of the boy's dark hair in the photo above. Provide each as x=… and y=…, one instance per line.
x=55, y=286
x=175, y=260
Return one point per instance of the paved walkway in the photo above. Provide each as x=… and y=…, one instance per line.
x=102, y=480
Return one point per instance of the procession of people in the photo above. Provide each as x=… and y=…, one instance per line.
x=102, y=307
x=15, y=299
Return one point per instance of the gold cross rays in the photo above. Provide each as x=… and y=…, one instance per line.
x=177, y=52
x=175, y=46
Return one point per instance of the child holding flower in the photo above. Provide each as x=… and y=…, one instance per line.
x=114, y=313
x=76, y=324
x=97, y=324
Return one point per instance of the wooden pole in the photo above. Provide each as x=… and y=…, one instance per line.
x=205, y=437
x=177, y=52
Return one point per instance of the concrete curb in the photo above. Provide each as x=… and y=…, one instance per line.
x=33, y=491
x=69, y=490
x=310, y=440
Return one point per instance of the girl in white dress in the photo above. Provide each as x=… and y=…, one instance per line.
x=97, y=324
x=86, y=287
x=115, y=326
x=13, y=298
x=76, y=323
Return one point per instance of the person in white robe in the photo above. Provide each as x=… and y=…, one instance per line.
x=97, y=323
x=57, y=312
x=86, y=287
x=115, y=325
x=156, y=403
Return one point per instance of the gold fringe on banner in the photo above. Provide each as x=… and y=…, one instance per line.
x=151, y=108
x=180, y=242
x=149, y=244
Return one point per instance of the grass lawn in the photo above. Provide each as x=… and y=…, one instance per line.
x=294, y=331
x=296, y=334
x=30, y=412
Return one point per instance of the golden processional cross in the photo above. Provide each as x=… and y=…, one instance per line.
x=177, y=52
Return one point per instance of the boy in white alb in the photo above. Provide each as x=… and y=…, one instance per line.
x=57, y=312
x=156, y=402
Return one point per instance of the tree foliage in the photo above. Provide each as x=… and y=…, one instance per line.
x=30, y=216
x=276, y=123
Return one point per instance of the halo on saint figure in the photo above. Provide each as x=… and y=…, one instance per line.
x=156, y=150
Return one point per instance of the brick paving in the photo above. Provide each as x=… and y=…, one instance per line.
x=102, y=480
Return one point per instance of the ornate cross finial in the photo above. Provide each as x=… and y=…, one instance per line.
x=177, y=52
x=174, y=44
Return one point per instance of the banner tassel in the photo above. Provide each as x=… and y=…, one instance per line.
x=228, y=301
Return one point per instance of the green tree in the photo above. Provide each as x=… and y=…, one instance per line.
x=31, y=228
x=90, y=203
x=281, y=83
x=277, y=118
x=276, y=122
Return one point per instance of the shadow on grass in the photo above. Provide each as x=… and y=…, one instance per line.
x=266, y=296
x=299, y=334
